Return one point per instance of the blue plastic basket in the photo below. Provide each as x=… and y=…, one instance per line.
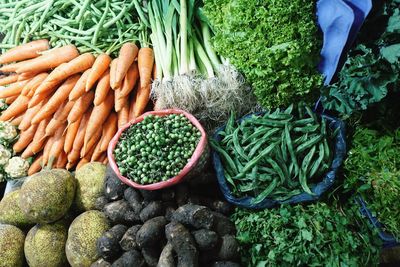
x=318, y=189
x=388, y=239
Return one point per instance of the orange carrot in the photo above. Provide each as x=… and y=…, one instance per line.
x=80, y=107
x=77, y=65
x=31, y=86
x=127, y=55
x=123, y=116
x=102, y=88
x=19, y=106
x=103, y=159
x=17, y=120
x=154, y=71
x=119, y=101
x=132, y=102
x=79, y=88
x=13, y=89
x=24, y=51
x=24, y=139
x=113, y=70
x=49, y=84
x=26, y=76
x=92, y=142
x=72, y=130
x=8, y=79
x=46, y=150
x=99, y=67
x=36, y=99
x=38, y=140
x=73, y=155
x=57, y=99
x=97, y=152
x=13, y=67
x=11, y=99
x=98, y=117
x=130, y=80
x=35, y=166
x=50, y=59
x=141, y=101
x=109, y=130
x=61, y=160
x=29, y=114
x=52, y=127
x=27, y=152
x=62, y=113
x=58, y=144
x=145, y=65
x=81, y=163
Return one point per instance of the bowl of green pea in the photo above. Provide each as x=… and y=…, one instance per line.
x=158, y=149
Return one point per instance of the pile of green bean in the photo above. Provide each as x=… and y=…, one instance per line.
x=275, y=155
x=93, y=26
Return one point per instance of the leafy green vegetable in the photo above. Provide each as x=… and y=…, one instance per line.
x=372, y=68
x=373, y=170
x=315, y=235
x=274, y=43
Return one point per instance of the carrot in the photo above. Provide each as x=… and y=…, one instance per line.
x=24, y=51
x=70, y=135
x=145, y=65
x=56, y=100
x=8, y=79
x=13, y=67
x=102, y=88
x=109, y=130
x=62, y=113
x=28, y=115
x=119, y=101
x=31, y=86
x=82, y=162
x=49, y=84
x=35, y=166
x=17, y=120
x=27, y=76
x=58, y=145
x=50, y=59
x=36, y=99
x=99, y=67
x=113, y=70
x=11, y=99
x=25, y=138
x=52, y=127
x=98, y=117
x=130, y=80
x=61, y=160
x=27, y=152
x=97, y=152
x=123, y=116
x=154, y=71
x=73, y=155
x=38, y=140
x=19, y=106
x=132, y=103
x=127, y=55
x=141, y=101
x=103, y=159
x=77, y=65
x=92, y=142
x=13, y=89
x=80, y=107
x=79, y=88
x=46, y=150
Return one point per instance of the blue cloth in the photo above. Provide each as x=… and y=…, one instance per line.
x=318, y=189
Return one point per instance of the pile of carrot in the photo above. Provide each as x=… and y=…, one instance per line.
x=67, y=105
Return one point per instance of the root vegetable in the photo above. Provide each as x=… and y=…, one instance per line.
x=152, y=232
x=194, y=215
x=134, y=199
x=129, y=259
x=114, y=188
x=150, y=195
x=120, y=212
x=153, y=209
x=182, y=194
x=108, y=244
x=101, y=263
x=229, y=249
x=219, y=206
x=183, y=244
x=225, y=264
x=128, y=241
x=223, y=225
x=205, y=239
x=167, y=257
x=168, y=194
x=151, y=255
x=100, y=203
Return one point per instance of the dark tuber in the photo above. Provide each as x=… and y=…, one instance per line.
x=151, y=233
x=181, y=194
x=108, y=244
x=183, y=244
x=153, y=209
x=194, y=215
x=120, y=212
x=101, y=263
x=166, y=257
x=229, y=249
x=113, y=187
x=128, y=240
x=150, y=195
x=225, y=264
x=205, y=239
x=151, y=255
x=132, y=258
x=100, y=203
x=134, y=199
x=223, y=225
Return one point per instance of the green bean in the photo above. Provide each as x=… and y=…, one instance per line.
x=254, y=161
x=230, y=124
x=279, y=116
x=291, y=150
x=19, y=32
x=303, y=122
x=306, y=129
x=266, y=169
x=225, y=156
x=115, y=19
x=96, y=10
x=311, y=114
x=307, y=159
x=303, y=182
x=259, y=131
x=283, y=148
x=263, y=177
x=267, y=135
x=261, y=142
x=238, y=149
x=309, y=143
x=318, y=162
x=96, y=33
x=286, y=193
x=277, y=169
x=229, y=179
x=267, y=191
x=83, y=10
x=273, y=123
x=289, y=110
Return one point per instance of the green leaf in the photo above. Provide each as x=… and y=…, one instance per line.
x=391, y=53
x=307, y=235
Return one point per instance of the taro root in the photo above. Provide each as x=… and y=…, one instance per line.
x=167, y=257
x=223, y=225
x=108, y=244
x=128, y=241
x=152, y=232
x=120, y=212
x=153, y=209
x=113, y=187
x=229, y=249
x=194, y=215
x=134, y=199
x=205, y=239
x=129, y=259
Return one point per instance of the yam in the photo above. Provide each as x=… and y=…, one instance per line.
x=100, y=203
x=168, y=194
x=129, y=259
x=217, y=205
x=153, y=209
x=101, y=263
x=182, y=194
x=114, y=188
x=166, y=257
x=128, y=240
x=205, y=239
x=183, y=244
x=150, y=195
x=223, y=225
x=152, y=232
x=108, y=244
x=229, y=249
x=225, y=264
x=134, y=199
x=194, y=215
x=120, y=212
x=151, y=255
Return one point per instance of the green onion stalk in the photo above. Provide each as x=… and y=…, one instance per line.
x=189, y=73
